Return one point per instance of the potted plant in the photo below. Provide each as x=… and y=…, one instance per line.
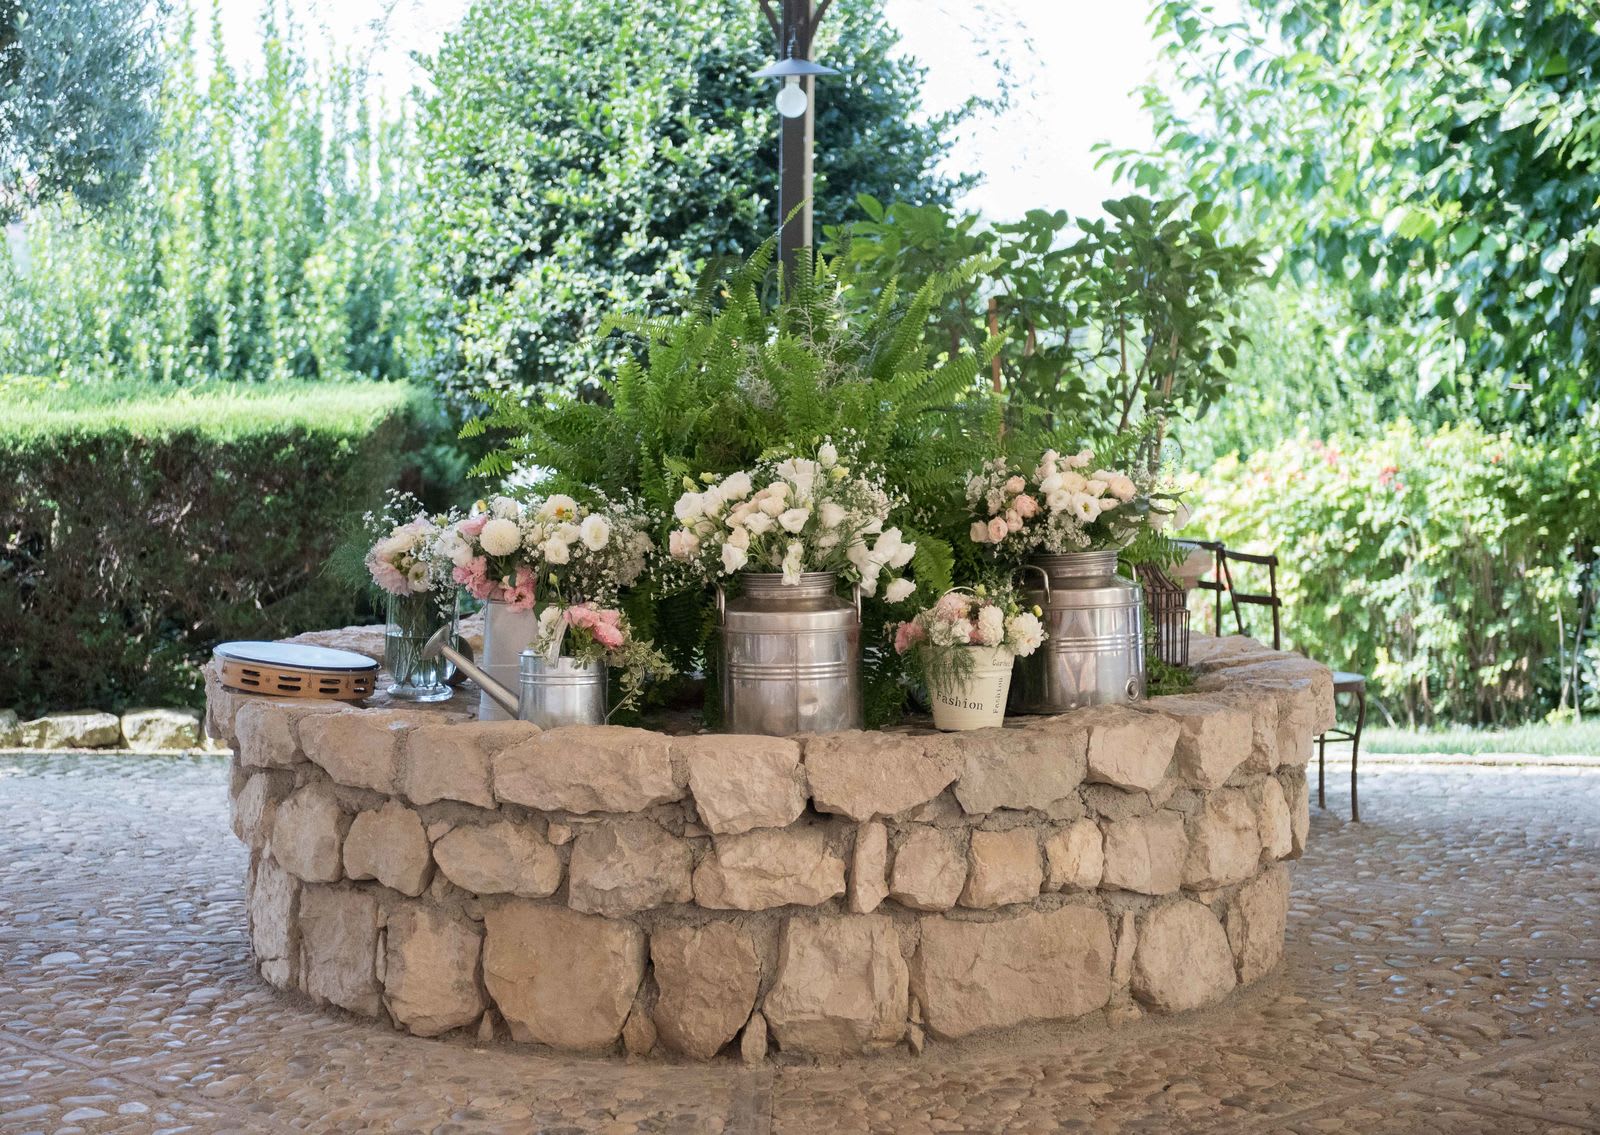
x=963, y=648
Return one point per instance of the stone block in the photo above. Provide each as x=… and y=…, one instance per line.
x=1273, y=822
x=502, y=858
x=308, y=834
x=869, y=868
x=1214, y=738
x=451, y=762
x=587, y=768
x=255, y=807
x=75, y=729
x=1224, y=847
x=769, y=867
x=152, y=730
x=971, y=976
x=1257, y=919
x=222, y=704
x=840, y=986
x=618, y=868
x=753, y=1041
x=390, y=845
x=1262, y=706
x=1122, y=959
x=1025, y=767
x=265, y=734
x=744, y=782
x=930, y=870
x=339, y=929
x=274, y=936
x=639, y=1034
x=430, y=979
x=359, y=748
x=1076, y=857
x=561, y=977
x=1297, y=792
x=1126, y=748
x=707, y=976
x=1002, y=868
x=1146, y=854
x=868, y=775
x=1182, y=960
x=1208, y=652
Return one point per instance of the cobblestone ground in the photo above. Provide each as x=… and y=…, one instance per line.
x=1442, y=975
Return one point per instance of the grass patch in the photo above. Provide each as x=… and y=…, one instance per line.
x=1535, y=740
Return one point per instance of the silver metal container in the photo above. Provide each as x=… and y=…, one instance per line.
x=565, y=692
x=791, y=656
x=1095, y=620
x=507, y=632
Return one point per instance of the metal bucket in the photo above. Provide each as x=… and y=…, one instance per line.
x=563, y=692
x=791, y=656
x=1095, y=620
x=980, y=701
x=507, y=632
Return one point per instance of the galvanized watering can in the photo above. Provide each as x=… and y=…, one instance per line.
x=791, y=656
x=1094, y=654
x=550, y=694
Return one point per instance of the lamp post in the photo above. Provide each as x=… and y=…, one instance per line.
x=793, y=29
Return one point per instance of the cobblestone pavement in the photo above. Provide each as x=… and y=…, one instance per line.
x=1442, y=975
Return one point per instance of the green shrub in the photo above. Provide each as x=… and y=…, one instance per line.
x=135, y=535
x=1447, y=566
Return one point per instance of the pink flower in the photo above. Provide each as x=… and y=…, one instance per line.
x=610, y=616
x=1015, y=485
x=907, y=635
x=976, y=636
x=1013, y=520
x=581, y=615
x=951, y=607
x=607, y=635
x=980, y=532
x=997, y=530
x=473, y=526
x=1026, y=506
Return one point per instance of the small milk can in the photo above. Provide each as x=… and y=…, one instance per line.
x=791, y=656
x=1095, y=621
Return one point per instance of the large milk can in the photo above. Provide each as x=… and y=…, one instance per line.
x=1095, y=621
x=790, y=656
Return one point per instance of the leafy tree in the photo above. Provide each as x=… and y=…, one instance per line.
x=76, y=84
x=1439, y=160
x=583, y=154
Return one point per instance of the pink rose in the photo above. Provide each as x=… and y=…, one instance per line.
x=607, y=635
x=1013, y=520
x=907, y=635
x=580, y=615
x=997, y=530
x=1015, y=485
x=1026, y=507
x=610, y=616
x=980, y=532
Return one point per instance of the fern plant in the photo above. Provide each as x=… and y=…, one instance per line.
x=744, y=371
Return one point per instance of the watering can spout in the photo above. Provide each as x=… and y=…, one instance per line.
x=439, y=644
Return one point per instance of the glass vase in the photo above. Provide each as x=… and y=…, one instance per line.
x=412, y=620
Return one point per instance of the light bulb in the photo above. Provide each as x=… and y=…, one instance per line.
x=792, y=99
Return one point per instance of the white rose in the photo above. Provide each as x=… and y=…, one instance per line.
x=1082, y=459
x=733, y=558
x=682, y=545
x=1121, y=486
x=899, y=590
x=794, y=519
x=595, y=532
x=828, y=455
x=979, y=534
x=689, y=507
x=736, y=486
x=555, y=552
x=757, y=523
x=833, y=514
x=991, y=626
x=500, y=537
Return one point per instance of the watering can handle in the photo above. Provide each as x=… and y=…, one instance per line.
x=1043, y=575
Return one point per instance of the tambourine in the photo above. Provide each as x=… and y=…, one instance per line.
x=293, y=670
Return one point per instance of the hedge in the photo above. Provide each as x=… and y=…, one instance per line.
x=1448, y=566
x=137, y=532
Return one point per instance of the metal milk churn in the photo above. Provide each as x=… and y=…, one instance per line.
x=790, y=656
x=1095, y=621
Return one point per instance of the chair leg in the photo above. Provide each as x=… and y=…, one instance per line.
x=1355, y=750
x=1322, y=753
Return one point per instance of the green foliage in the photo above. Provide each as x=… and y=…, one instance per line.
x=580, y=154
x=1108, y=323
x=1437, y=162
x=1447, y=566
x=268, y=241
x=76, y=80
x=134, y=539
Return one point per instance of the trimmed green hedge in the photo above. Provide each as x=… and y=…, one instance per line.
x=138, y=531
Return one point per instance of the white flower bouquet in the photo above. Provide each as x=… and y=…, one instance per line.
x=1067, y=504
x=795, y=515
x=547, y=549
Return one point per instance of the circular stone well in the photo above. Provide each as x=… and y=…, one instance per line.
x=590, y=888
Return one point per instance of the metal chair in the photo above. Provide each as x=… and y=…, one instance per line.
x=1345, y=683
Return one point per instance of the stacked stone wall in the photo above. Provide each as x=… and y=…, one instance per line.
x=602, y=888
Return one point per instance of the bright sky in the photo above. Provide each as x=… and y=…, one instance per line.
x=1075, y=64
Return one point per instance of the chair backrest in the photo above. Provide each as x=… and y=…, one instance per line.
x=1227, y=558
x=1218, y=583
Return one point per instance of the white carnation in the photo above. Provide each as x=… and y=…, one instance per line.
x=991, y=626
x=1024, y=633
x=555, y=552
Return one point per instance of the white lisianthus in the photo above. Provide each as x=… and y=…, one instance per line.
x=595, y=532
x=454, y=548
x=794, y=519
x=555, y=552
x=1121, y=486
x=559, y=507
x=828, y=541
x=833, y=514
x=771, y=505
x=1095, y=487
x=899, y=590
x=711, y=501
x=733, y=558
x=689, y=507
x=991, y=626
x=793, y=562
x=567, y=533
x=1084, y=508
x=801, y=472
x=739, y=538
x=736, y=486
x=1073, y=482
x=500, y=537
x=828, y=455
x=1025, y=634
x=1059, y=501
x=683, y=545
x=758, y=523
x=1050, y=484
